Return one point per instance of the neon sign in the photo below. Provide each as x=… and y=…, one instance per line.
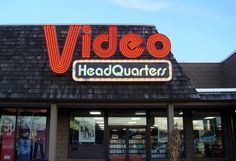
x=130, y=45
x=122, y=70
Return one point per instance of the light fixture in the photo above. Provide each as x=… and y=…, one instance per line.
x=152, y=127
x=235, y=111
x=135, y=118
x=140, y=113
x=43, y=111
x=181, y=113
x=95, y=112
x=100, y=122
x=114, y=130
x=98, y=118
x=210, y=117
x=131, y=122
x=156, y=125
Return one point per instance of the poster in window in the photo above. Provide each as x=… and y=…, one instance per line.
x=8, y=137
x=39, y=137
x=24, y=123
x=87, y=130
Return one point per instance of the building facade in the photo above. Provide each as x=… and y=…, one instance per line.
x=49, y=112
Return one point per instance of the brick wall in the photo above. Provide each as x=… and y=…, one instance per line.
x=229, y=67
x=62, y=135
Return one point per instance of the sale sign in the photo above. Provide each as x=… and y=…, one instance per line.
x=8, y=137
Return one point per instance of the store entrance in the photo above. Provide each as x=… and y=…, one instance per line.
x=127, y=143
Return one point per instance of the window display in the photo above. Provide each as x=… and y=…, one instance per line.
x=85, y=129
x=207, y=133
x=86, y=135
x=31, y=138
x=23, y=134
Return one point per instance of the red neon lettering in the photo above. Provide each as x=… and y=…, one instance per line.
x=111, y=38
x=130, y=45
x=86, y=41
x=151, y=45
x=60, y=62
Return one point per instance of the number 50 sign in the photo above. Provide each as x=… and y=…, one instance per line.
x=8, y=138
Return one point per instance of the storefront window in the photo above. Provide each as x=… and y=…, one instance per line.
x=207, y=133
x=87, y=134
x=159, y=134
x=23, y=134
x=179, y=124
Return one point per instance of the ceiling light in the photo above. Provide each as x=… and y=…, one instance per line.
x=131, y=122
x=152, y=127
x=95, y=112
x=100, y=122
x=43, y=111
x=114, y=130
x=98, y=118
x=140, y=113
x=156, y=125
x=181, y=113
x=135, y=118
x=210, y=117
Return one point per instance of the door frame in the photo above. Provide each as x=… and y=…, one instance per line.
x=127, y=138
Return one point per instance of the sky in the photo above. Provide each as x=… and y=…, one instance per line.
x=199, y=30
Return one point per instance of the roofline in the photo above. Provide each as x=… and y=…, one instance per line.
x=203, y=90
x=231, y=54
x=199, y=62
x=103, y=24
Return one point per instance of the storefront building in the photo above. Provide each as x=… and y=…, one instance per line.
x=101, y=92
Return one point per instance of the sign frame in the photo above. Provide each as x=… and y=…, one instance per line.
x=121, y=79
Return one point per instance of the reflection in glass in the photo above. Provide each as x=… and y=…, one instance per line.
x=159, y=135
x=178, y=122
x=207, y=132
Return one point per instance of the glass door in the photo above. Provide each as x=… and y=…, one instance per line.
x=137, y=144
x=117, y=144
x=127, y=144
